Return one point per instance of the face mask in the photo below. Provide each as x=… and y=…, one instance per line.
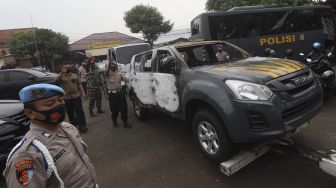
x=53, y=116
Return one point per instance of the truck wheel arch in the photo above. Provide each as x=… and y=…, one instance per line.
x=193, y=105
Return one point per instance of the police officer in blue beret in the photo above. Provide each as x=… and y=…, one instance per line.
x=52, y=153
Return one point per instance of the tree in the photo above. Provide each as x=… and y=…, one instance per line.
x=148, y=21
x=218, y=5
x=52, y=46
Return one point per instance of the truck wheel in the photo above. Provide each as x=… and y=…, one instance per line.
x=211, y=136
x=141, y=113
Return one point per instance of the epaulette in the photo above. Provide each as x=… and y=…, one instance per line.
x=70, y=128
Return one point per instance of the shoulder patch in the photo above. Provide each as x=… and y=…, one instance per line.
x=24, y=171
x=70, y=127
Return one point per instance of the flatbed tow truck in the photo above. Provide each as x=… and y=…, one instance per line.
x=325, y=160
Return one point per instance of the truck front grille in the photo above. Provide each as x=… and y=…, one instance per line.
x=300, y=108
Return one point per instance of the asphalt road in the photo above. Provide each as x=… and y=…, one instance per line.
x=161, y=153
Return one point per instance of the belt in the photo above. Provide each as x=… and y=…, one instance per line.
x=115, y=91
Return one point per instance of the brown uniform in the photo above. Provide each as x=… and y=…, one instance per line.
x=70, y=84
x=114, y=80
x=26, y=167
x=117, y=100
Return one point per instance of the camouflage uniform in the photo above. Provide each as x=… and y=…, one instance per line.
x=95, y=83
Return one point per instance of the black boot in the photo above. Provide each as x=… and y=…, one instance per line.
x=100, y=111
x=126, y=125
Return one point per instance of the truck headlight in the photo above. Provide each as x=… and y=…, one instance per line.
x=249, y=91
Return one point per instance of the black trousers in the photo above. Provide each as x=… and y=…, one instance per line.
x=84, y=88
x=75, y=112
x=118, y=104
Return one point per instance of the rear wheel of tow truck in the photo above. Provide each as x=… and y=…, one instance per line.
x=211, y=136
x=141, y=113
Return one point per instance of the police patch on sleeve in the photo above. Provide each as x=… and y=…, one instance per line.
x=24, y=171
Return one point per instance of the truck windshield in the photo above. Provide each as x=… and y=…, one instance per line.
x=211, y=54
x=125, y=54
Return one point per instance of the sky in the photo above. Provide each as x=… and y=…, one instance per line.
x=80, y=18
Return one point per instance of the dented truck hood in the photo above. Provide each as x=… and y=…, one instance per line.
x=255, y=69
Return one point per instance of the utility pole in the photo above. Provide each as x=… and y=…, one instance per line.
x=37, y=51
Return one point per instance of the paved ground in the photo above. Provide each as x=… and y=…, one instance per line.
x=161, y=153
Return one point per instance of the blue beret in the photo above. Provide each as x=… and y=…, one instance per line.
x=39, y=91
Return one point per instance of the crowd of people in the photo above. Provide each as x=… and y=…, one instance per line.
x=52, y=153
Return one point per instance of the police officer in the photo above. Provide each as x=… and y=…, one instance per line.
x=94, y=85
x=116, y=95
x=52, y=153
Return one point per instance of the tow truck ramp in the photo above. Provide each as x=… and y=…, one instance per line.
x=326, y=160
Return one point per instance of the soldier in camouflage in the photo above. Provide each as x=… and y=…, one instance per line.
x=95, y=83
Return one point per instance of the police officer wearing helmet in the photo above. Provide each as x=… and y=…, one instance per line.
x=116, y=94
x=52, y=153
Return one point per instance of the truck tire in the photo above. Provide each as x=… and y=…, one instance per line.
x=211, y=136
x=141, y=113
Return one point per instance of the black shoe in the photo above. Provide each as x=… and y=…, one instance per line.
x=83, y=130
x=100, y=111
x=115, y=124
x=126, y=125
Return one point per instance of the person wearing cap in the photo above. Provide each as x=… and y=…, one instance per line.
x=72, y=86
x=52, y=153
x=95, y=84
x=222, y=56
x=116, y=94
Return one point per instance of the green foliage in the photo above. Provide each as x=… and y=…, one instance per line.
x=52, y=46
x=148, y=21
x=218, y=5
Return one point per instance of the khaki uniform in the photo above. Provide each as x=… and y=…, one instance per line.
x=69, y=153
x=116, y=94
x=70, y=83
x=114, y=80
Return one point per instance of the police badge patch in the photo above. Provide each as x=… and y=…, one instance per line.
x=24, y=171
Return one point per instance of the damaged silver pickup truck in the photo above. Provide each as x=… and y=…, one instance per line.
x=226, y=95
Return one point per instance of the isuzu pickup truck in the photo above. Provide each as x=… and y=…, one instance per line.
x=226, y=95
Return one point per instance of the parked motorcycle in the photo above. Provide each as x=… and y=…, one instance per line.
x=317, y=61
x=13, y=126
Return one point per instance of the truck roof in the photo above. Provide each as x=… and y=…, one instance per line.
x=241, y=10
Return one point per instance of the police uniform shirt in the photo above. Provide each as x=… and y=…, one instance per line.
x=114, y=81
x=70, y=84
x=27, y=166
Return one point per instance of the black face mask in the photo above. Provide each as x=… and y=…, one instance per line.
x=53, y=116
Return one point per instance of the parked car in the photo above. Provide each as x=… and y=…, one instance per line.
x=13, y=126
x=241, y=100
x=13, y=80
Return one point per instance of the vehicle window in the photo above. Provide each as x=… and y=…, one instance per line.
x=137, y=63
x=166, y=62
x=2, y=76
x=211, y=54
x=125, y=54
x=195, y=26
x=17, y=75
x=146, y=63
x=266, y=23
